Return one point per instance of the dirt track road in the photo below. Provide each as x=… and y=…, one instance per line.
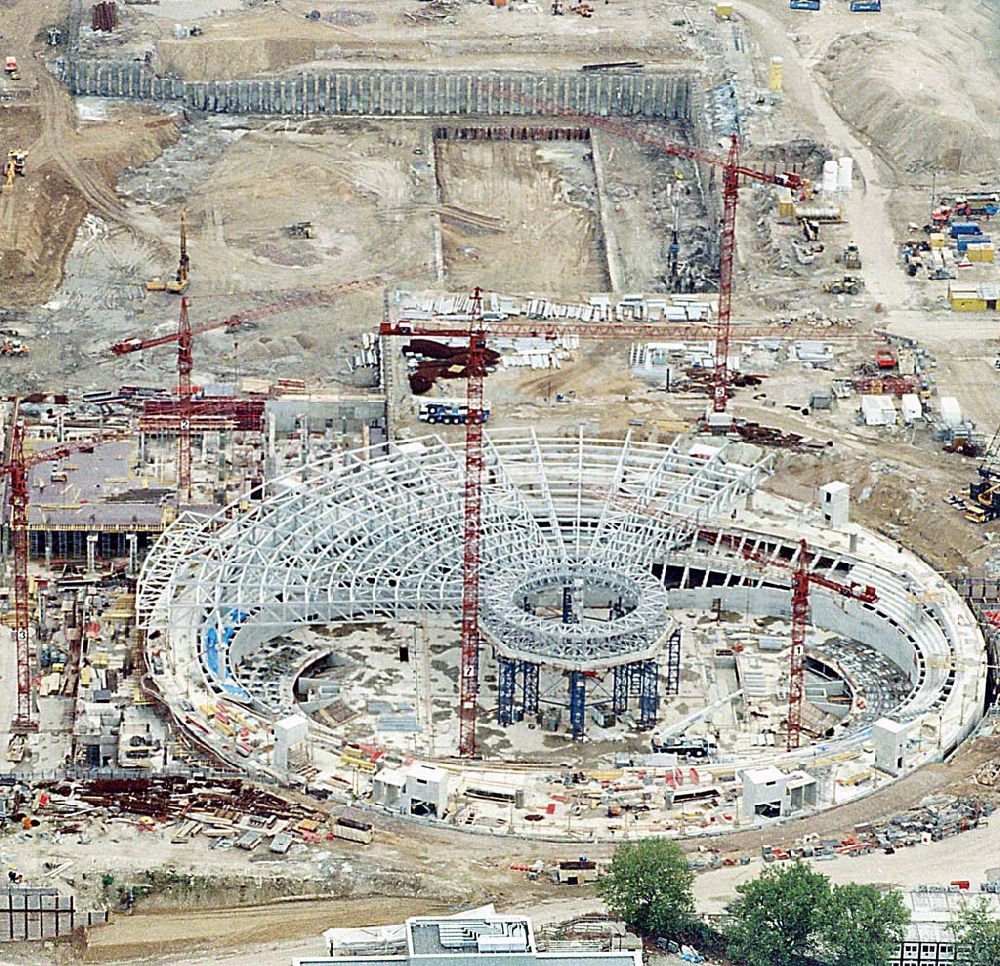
x=867, y=205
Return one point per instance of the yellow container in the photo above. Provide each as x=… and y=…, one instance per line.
x=724, y=11
x=937, y=239
x=775, y=74
x=980, y=253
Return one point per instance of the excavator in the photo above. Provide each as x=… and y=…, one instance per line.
x=177, y=284
x=14, y=166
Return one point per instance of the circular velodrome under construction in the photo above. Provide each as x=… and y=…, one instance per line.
x=635, y=601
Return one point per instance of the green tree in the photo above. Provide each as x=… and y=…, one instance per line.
x=774, y=919
x=860, y=926
x=977, y=933
x=648, y=884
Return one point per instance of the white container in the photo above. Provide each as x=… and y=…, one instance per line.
x=911, y=406
x=830, y=169
x=845, y=173
x=951, y=412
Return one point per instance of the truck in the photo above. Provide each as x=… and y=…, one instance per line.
x=803, y=4
x=10, y=68
x=866, y=6
x=852, y=257
x=885, y=359
x=683, y=747
x=452, y=411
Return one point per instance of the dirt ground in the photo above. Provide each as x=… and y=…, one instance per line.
x=543, y=197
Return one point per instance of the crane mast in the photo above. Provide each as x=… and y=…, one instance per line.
x=185, y=365
x=22, y=723
x=472, y=531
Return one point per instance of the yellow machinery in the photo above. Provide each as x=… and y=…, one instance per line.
x=179, y=282
x=984, y=493
x=14, y=166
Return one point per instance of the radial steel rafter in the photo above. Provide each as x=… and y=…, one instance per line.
x=380, y=535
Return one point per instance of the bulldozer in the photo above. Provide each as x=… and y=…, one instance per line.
x=301, y=229
x=852, y=257
x=848, y=285
x=178, y=283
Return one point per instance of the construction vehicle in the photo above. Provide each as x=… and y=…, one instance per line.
x=178, y=283
x=301, y=229
x=12, y=347
x=13, y=166
x=848, y=285
x=10, y=68
x=852, y=257
x=885, y=359
x=985, y=492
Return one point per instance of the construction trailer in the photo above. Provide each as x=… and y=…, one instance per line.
x=981, y=297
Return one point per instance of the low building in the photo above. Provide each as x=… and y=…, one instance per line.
x=974, y=298
x=929, y=940
x=418, y=790
x=771, y=793
x=487, y=940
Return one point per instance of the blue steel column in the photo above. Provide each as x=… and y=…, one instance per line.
x=506, y=678
x=649, y=698
x=672, y=684
x=635, y=679
x=619, y=689
x=529, y=687
x=577, y=703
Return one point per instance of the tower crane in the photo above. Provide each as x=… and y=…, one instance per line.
x=732, y=173
x=17, y=469
x=802, y=579
x=476, y=333
x=184, y=337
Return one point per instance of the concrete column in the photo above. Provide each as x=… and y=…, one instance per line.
x=132, y=539
x=92, y=552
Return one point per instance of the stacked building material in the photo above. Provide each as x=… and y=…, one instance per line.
x=104, y=16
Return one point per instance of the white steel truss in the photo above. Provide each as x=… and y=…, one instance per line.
x=369, y=535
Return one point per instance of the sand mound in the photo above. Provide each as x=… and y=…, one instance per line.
x=896, y=89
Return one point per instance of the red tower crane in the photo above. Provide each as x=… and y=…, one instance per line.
x=732, y=172
x=185, y=365
x=803, y=579
x=184, y=337
x=17, y=469
x=476, y=334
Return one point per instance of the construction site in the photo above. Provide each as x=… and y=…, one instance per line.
x=443, y=438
